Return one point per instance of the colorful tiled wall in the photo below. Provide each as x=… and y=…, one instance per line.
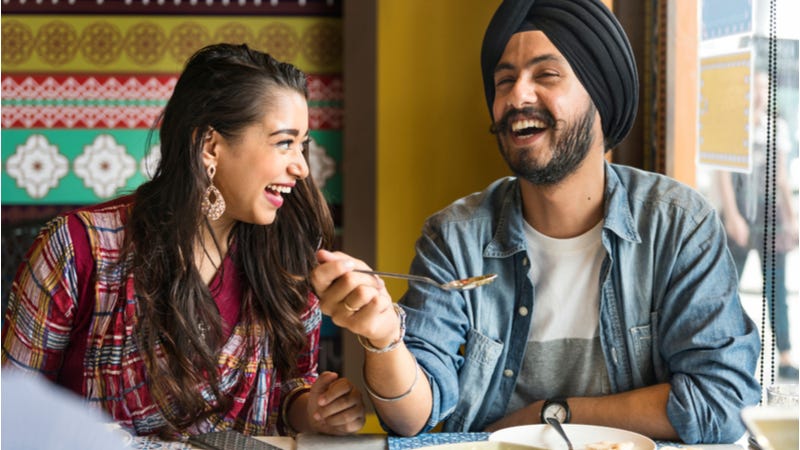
x=84, y=80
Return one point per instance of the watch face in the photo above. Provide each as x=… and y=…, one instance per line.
x=557, y=411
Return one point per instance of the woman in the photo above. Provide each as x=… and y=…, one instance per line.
x=186, y=307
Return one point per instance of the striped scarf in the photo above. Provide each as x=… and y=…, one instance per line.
x=114, y=371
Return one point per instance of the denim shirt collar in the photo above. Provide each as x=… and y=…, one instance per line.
x=618, y=217
x=510, y=235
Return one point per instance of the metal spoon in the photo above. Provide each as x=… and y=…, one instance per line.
x=460, y=285
x=557, y=425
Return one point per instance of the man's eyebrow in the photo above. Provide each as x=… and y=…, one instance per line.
x=533, y=61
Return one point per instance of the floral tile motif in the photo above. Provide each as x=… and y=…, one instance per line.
x=105, y=166
x=37, y=166
x=322, y=166
x=149, y=163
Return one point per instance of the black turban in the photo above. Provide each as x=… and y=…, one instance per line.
x=592, y=41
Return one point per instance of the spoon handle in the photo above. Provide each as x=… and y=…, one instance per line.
x=557, y=425
x=399, y=275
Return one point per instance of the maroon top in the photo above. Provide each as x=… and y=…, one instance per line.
x=226, y=289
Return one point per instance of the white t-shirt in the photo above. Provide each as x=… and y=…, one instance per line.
x=564, y=356
x=566, y=277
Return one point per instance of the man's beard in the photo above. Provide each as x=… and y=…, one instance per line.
x=569, y=150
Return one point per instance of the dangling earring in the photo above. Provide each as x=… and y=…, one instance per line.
x=213, y=205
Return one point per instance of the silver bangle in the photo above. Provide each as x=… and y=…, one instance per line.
x=392, y=345
x=392, y=399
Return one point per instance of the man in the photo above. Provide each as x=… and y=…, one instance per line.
x=616, y=300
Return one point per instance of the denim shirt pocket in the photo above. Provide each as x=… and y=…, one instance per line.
x=475, y=378
x=642, y=358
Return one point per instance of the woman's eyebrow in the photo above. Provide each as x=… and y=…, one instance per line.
x=291, y=131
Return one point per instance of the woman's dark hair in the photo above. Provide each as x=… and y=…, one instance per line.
x=227, y=88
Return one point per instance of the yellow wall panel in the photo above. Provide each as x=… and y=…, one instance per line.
x=434, y=144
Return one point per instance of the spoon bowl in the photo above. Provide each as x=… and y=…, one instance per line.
x=464, y=284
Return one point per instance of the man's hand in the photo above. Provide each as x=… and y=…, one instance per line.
x=523, y=416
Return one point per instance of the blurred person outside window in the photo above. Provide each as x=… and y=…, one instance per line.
x=743, y=208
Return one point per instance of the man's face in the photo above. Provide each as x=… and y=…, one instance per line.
x=545, y=120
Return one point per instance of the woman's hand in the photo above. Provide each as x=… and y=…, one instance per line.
x=355, y=301
x=335, y=405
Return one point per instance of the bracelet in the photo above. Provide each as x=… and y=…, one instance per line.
x=287, y=403
x=392, y=399
x=393, y=345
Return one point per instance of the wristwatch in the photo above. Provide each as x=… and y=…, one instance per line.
x=557, y=408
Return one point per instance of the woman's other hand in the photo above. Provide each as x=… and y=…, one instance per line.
x=335, y=405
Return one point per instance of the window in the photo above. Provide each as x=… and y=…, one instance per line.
x=746, y=159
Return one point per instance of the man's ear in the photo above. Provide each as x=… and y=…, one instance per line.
x=210, y=147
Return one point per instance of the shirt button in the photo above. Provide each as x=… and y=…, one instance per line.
x=525, y=261
x=523, y=311
x=508, y=373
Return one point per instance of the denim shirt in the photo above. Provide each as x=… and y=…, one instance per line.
x=669, y=306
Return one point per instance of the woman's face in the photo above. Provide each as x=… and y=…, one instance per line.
x=258, y=169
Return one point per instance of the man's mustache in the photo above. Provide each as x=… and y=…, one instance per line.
x=529, y=112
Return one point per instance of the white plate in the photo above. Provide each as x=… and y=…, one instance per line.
x=580, y=436
x=125, y=436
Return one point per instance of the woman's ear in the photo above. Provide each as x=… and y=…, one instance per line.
x=210, y=147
